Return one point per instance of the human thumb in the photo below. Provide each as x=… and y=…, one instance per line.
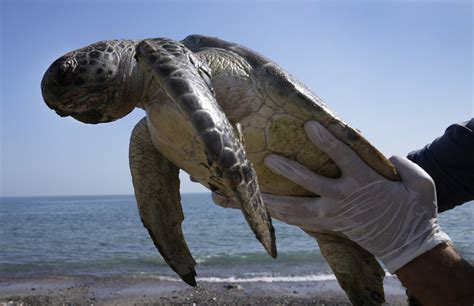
x=412, y=175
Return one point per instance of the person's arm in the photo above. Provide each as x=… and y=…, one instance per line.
x=439, y=277
x=449, y=160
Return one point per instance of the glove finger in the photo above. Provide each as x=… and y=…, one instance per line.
x=304, y=206
x=412, y=175
x=304, y=177
x=224, y=201
x=290, y=201
x=300, y=211
x=346, y=159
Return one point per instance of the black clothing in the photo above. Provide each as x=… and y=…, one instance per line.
x=449, y=160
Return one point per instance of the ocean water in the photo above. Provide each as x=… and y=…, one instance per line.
x=103, y=236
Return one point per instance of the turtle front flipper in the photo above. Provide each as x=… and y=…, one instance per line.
x=156, y=184
x=186, y=81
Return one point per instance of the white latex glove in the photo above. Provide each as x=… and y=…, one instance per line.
x=395, y=221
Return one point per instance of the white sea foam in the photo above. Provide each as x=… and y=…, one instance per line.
x=254, y=279
x=269, y=279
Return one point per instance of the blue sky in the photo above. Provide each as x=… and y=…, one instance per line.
x=399, y=71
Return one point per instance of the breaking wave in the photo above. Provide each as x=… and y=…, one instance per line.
x=254, y=279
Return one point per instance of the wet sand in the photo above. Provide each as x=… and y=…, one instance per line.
x=142, y=290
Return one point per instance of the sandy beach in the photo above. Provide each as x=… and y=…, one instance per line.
x=146, y=290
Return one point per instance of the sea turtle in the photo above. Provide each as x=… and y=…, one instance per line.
x=205, y=99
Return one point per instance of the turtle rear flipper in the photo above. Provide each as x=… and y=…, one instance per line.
x=356, y=270
x=186, y=81
x=156, y=184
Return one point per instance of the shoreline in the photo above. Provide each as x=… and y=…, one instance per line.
x=126, y=290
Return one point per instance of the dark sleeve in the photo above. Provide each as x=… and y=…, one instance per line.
x=449, y=160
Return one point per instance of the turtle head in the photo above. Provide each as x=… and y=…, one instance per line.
x=92, y=84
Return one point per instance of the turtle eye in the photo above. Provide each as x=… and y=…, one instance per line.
x=61, y=70
x=66, y=66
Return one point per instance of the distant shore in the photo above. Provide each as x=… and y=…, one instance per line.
x=139, y=290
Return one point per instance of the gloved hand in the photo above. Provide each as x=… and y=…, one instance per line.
x=395, y=221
